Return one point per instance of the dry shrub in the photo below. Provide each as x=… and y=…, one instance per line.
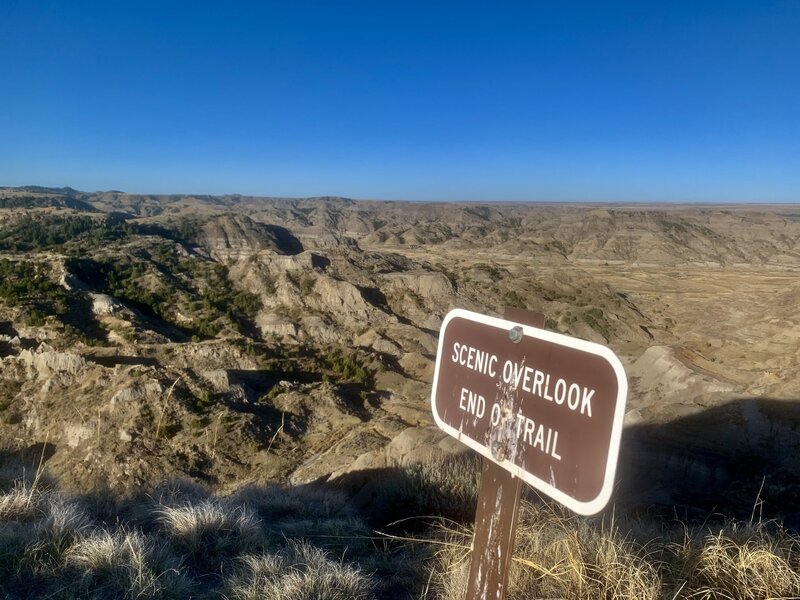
x=557, y=556
x=739, y=562
x=302, y=572
x=21, y=503
x=125, y=564
x=210, y=532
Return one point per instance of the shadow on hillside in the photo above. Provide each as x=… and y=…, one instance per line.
x=287, y=242
x=320, y=262
x=184, y=541
x=739, y=459
x=26, y=463
x=118, y=359
x=7, y=348
x=7, y=328
x=376, y=298
x=409, y=498
x=251, y=391
x=258, y=382
x=81, y=316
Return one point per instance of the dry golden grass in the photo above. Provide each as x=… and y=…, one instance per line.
x=180, y=542
x=312, y=543
x=557, y=556
x=302, y=572
x=739, y=562
x=125, y=564
x=20, y=503
x=562, y=556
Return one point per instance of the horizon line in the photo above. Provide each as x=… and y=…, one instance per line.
x=599, y=202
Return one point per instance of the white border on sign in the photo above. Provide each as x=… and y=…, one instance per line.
x=583, y=508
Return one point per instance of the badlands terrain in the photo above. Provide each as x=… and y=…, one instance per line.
x=234, y=341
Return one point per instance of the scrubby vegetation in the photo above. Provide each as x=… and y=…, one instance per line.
x=595, y=319
x=79, y=233
x=46, y=201
x=181, y=542
x=482, y=212
x=562, y=556
x=346, y=366
x=38, y=232
x=27, y=281
x=30, y=286
x=159, y=280
x=312, y=542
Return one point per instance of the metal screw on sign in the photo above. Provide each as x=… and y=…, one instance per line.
x=515, y=334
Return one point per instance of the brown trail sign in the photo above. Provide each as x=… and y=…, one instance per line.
x=542, y=406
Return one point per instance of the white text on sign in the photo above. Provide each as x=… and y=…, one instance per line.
x=529, y=379
x=535, y=435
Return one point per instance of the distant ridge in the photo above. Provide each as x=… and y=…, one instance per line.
x=45, y=190
x=35, y=196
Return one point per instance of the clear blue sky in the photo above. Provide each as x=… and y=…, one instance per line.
x=557, y=100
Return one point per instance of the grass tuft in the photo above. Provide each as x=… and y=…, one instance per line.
x=62, y=524
x=126, y=564
x=20, y=503
x=557, y=555
x=303, y=572
x=210, y=532
x=180, y=491
x=741, y=562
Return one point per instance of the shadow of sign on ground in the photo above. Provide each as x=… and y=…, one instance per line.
x=732, y=459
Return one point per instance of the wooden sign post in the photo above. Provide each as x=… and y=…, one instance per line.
x=496, y=513
x=540, y=407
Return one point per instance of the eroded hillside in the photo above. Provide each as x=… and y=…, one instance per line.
x=237, y=340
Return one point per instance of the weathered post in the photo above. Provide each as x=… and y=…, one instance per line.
x=496, y=514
